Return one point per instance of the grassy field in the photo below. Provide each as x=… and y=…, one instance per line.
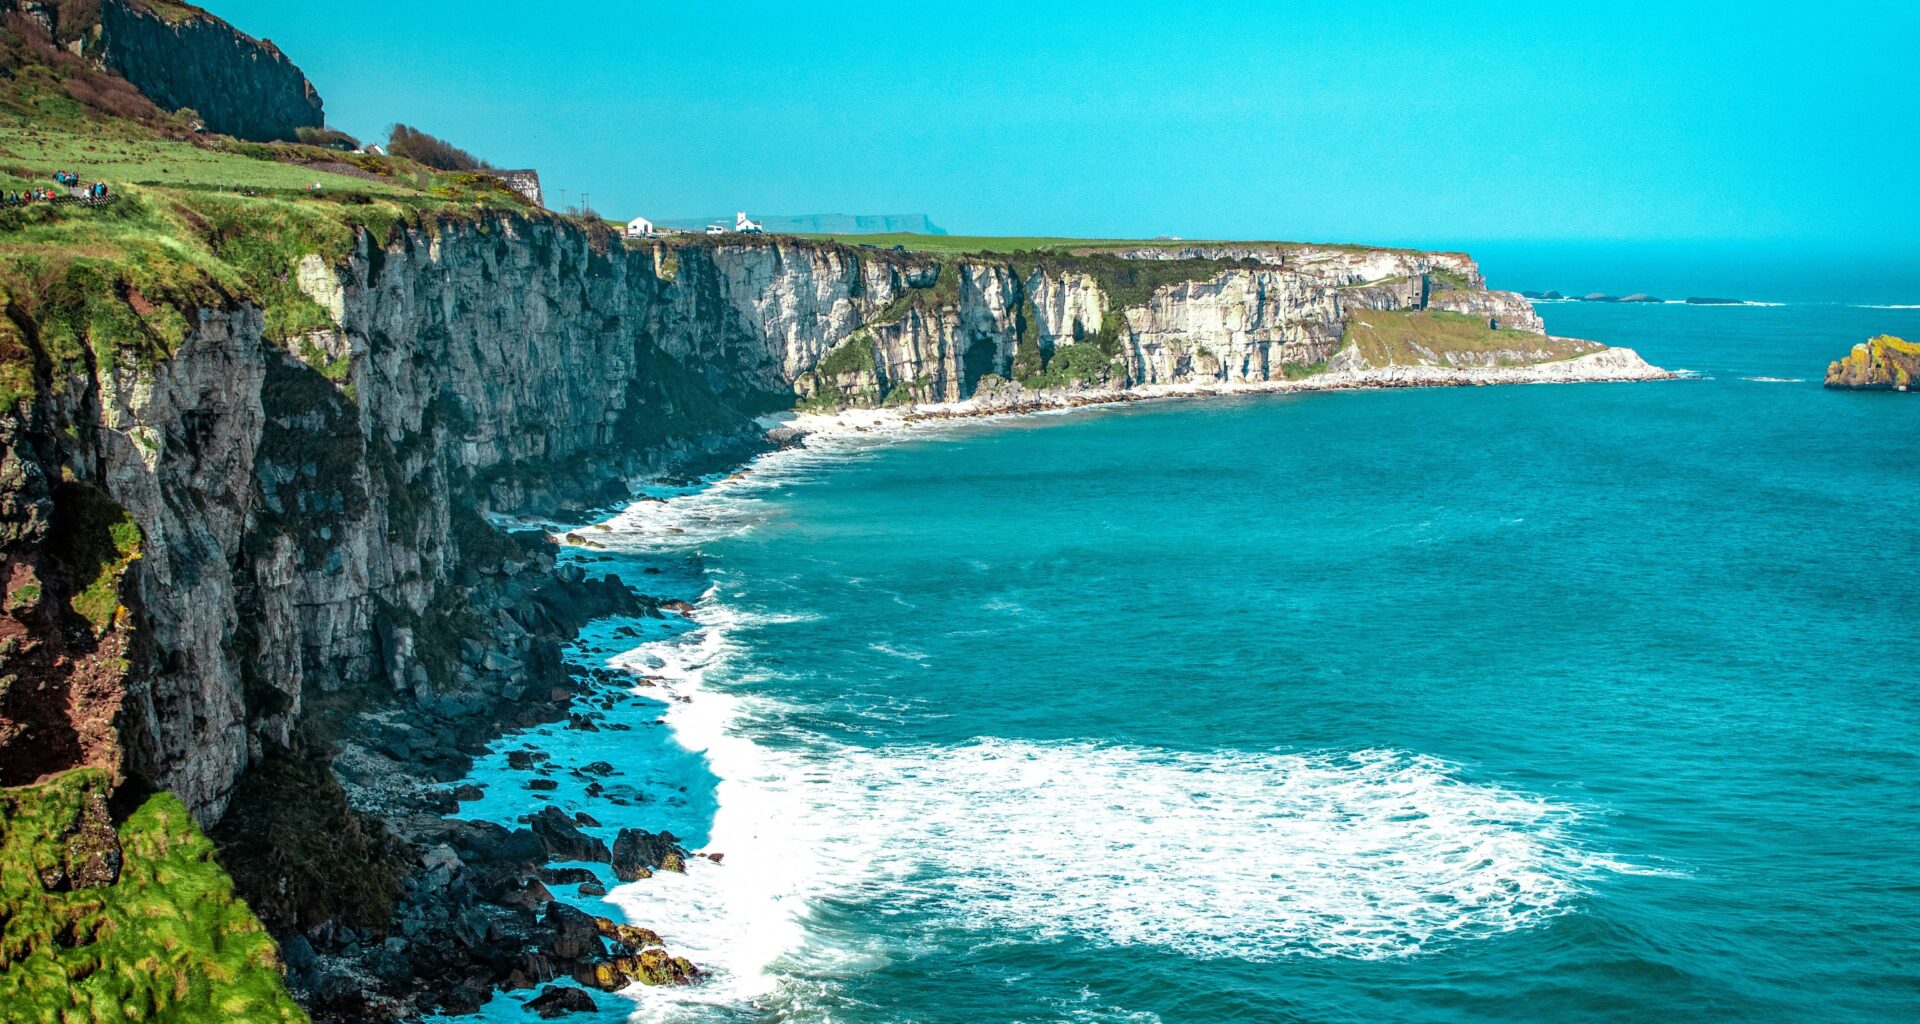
x=1404, y=337
x=167, y=941
x=954, y=245
x=34, y=154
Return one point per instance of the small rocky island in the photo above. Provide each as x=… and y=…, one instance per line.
x=1885, y=363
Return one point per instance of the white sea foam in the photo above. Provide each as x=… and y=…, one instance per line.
x=1776, y=380
x=1254, y=855
x=1892, y=305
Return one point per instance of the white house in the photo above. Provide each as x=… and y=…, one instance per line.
x=745, y=226
x=639, y=227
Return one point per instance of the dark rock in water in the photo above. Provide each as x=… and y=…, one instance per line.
x=675, y=861
x=572, y=935
x=1641, y=297
x=568, y=876
x=676, y=605
x=581, y=723
x=1703, y=300
x=585, y=820
x=520, y=760
x=543, y=785
x=563, y=838
x=468, y=792
x=464, y=998
x=631, y=938
x=650, y=967
x=592, y=889
x=716, y=857
x=597, y=768
x=1598, y=297
x=636, y=850
x=560, y=1000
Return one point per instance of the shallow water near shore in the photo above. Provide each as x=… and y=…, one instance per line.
x=1528, y=703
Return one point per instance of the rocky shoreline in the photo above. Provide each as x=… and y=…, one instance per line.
x=475, y=909
x=1006, y=398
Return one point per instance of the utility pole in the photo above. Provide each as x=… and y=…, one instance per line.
x=586, y=203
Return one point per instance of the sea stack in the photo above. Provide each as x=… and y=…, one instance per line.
x=1885, y=363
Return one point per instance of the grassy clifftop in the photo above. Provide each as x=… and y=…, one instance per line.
x=133, y=921
x=1439, y=338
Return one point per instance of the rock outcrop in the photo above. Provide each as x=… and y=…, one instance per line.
x=1885, y=363
x=181, y=57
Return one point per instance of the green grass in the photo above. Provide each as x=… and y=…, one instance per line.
x=161, y=162
x=1075, y=364
x=943, y=293
x=111, y=283
x=1418, y=338
x=166, y=942
x=854, y=355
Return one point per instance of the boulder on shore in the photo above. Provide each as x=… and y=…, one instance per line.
x=563, y=838
x=637, y=853
x=560, y=1000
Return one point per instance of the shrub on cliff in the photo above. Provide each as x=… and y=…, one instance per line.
x=327, y=138
x=136, y=922
x=413, y=144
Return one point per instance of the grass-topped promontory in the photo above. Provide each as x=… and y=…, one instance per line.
x=164, y=941
x=220, y=221
x=1424, y=337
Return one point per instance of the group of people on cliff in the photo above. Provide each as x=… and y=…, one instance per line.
x=91, y=192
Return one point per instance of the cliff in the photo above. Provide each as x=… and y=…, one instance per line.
x=299, y=502
x=252, y=444
x=1884, y=363
x=182, y=57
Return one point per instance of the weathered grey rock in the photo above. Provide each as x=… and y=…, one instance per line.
x=563, y=838
x=239, y=85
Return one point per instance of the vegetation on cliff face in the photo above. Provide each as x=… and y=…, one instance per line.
x=1885, y=363
x=133, y=922
x=94, y=541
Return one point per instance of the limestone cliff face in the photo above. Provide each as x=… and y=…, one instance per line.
x=184, y=57
x=1884, y=363
x=307, y=510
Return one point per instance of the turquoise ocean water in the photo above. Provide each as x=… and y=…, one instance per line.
x=1553, y=703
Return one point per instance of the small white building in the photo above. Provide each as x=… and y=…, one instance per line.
x=639, y=227
x=745, y=226
x=716, y=229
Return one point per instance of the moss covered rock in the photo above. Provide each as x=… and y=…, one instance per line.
x=1885, y=363
x=134, y=922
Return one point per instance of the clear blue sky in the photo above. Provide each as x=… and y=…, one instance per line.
x=1426, y=123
